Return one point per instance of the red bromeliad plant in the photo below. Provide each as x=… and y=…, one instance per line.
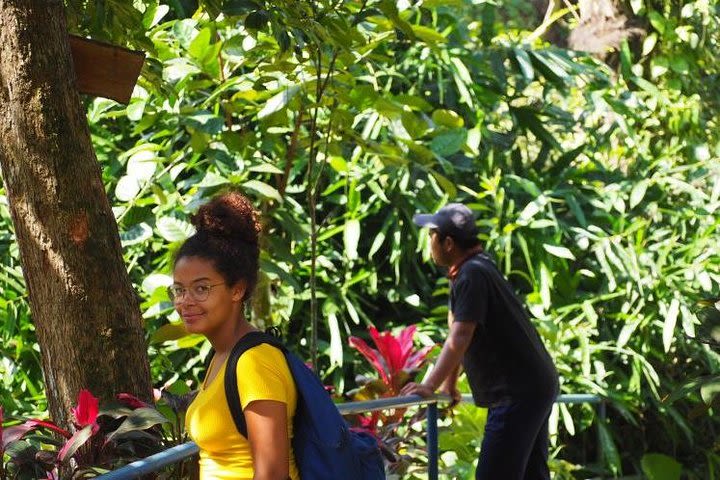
x=103, y=439
x=395, y=359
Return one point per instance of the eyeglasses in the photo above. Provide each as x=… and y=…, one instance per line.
x=199, y=293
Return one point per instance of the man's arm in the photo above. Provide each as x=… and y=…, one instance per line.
x=454, y=348
x=449, y=385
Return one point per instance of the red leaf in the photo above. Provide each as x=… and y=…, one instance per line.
x=389, y=349
x=406, y=341
x=371, y=355
x=75, y=442
x=50, y=425
x=87, y=409
x=132, y=401
x=417, y=358
x=13, y=434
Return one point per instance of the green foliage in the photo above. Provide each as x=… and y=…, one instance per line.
x=660, y=467
x=596, y=190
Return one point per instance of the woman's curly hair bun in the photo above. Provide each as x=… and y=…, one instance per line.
x=231, y=216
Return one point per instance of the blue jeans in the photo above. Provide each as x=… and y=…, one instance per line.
x=515, y=445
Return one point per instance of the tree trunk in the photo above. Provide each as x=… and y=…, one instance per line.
x=83, y=305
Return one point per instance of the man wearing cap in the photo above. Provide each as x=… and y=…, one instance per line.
x=508, y=368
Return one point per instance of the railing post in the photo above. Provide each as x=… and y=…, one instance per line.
x=432, y=441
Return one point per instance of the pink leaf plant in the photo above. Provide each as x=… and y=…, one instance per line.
x=395, y=358
x=396, y=361
x=102, y=439
x=86, y=411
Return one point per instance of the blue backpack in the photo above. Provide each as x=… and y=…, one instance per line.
x=324, y=445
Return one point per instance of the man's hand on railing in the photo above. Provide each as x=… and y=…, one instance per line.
x=452, y=392
x=421, y=389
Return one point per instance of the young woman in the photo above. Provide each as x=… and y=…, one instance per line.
x=214, y=274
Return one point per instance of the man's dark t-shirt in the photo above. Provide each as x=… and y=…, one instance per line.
x=506, y=359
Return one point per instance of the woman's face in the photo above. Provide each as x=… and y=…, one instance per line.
x=203, y=298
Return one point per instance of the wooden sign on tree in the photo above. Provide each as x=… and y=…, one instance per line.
x=105, y=70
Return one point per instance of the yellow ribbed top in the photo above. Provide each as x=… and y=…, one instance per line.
x=263, y=374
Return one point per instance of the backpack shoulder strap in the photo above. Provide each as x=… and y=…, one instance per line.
x=232, y=394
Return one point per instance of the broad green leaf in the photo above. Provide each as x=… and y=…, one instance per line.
x=688, y=321
x=525, y=64
x=156, y=280
x=352, y=311
x=212, y=179
x=590, y=312
x=659, y=65
x=338, y=164
x=351, y=237
x=609, y=450
x=638, y=193
x=173, y=229
x=263, y=189
x=545, y=286
x=445, y=183
x=679, y=64
x=266, y=168
x=669, y=324
x=658, y=21
x=532, y=209
x=135, y=110
x=178, y=69
x=626, y=332
x=127, y=188
x=473, y=140
x=567, y=419
x=204, y=121
x=447, y=118
x=442, y=3
x=185, y=31
x=449, y=142
x=380, y=237
x=390, y=9
x=463, y=91
x=414, y=102
x=649, y=43
x=256, y=20
x=709, y=390
x=136, y=234
x=239, y=7
x=462, y=70
x=200, y=43
x=427, y=34
x=559, y=251
x=550, y=68
x=168, y=332
x=657, y=466
x=278, y=101
x=190, y=341
x=155, y=15
x=415, y=126
x=142, y=165
x=336, y=344
x=139, y=419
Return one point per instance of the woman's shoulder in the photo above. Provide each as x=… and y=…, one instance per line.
x=263, y=354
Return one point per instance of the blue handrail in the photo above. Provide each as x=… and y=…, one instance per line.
x=178, y=453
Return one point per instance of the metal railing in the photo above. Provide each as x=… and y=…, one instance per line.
x=179, y=453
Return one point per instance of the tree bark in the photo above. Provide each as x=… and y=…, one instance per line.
x=83, y=305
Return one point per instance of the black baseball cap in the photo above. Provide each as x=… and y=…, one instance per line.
x=454, y=219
